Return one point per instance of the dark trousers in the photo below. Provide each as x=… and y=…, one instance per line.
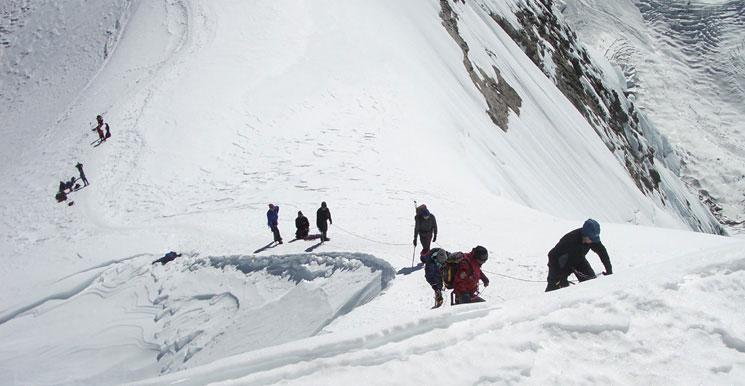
x=301, y=233
x=323, y=228
x=425, y=238
x=275, y=232
x=85, y=180
x=560, y=268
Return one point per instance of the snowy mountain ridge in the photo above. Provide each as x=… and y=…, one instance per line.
x=219, y=108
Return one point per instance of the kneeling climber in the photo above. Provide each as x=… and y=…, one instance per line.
x=458, y=271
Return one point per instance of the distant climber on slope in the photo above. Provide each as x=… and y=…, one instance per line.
x=100, y=128
x=61, y=195
x=272, y=218
x=168, y=257
x=302, y=226
x=70, y=185
x=79, y=166
x=568, y=256
x=322, y=215
x=425, y=226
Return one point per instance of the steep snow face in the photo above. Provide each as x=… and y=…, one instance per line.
x=50, y=51
x=217, y=109
x=207, y=119
x=599, y=92
x=685, y=63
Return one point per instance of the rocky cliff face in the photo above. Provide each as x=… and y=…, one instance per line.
x=599, y=91
x=498, y=94
x=684, y=62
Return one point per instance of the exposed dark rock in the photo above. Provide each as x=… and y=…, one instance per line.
x=499, y=95
x=543, y=38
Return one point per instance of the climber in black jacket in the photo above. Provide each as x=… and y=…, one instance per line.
x=568, y=256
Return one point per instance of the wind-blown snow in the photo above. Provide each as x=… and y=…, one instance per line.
x=218, y=108
x=143, y=319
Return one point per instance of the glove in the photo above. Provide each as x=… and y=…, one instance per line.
x=415, y=241
x=486, y=283
x=434, y=239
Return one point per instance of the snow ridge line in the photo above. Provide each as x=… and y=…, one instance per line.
x=104, y=265
x=292, y=266
x=65, y=294
x=62, y=295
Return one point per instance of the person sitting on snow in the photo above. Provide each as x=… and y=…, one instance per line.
x=568, y=256
x=302, y=225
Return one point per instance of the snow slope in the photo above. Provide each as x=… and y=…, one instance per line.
x=219, y=107
x=670, y=322
x=143, y=319
x=685, y=63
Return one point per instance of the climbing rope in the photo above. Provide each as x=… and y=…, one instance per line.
x=369, y=239
x=513, y=277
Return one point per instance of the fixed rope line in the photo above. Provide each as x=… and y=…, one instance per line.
x=369, y=239
x=514, y=278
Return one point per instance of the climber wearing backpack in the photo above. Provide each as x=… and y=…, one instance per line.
x=425, y=226
x=568, y=256
x=434, y=262
x=458, y=271
x=468, y=274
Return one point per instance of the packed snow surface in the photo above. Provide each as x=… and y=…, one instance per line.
x=220, y=107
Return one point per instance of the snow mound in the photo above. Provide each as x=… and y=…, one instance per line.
x=144, y=319
x=665, y=323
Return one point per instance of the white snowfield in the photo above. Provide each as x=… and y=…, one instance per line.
x=219, y=107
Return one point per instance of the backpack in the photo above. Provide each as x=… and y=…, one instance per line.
x=449, y=268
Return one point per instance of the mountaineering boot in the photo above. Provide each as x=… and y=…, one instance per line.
x=438, y=299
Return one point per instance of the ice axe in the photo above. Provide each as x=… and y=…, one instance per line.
x=413, y=253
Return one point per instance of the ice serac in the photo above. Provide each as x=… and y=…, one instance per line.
x=599, y=92
x=684, y=62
